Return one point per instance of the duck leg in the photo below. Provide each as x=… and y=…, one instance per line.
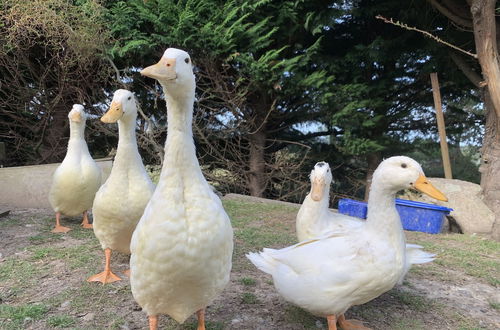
x=58, y=228
x=127, y=273
x=332, y=322
x=107, y=275
x=201, y=319
x=350, y=324
x=85, y=223
x=153, y=322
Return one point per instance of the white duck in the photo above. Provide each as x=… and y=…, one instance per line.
x=77, y=179
x=315, y=219
x=327, y=275
x=182, y=247
x=121, y=200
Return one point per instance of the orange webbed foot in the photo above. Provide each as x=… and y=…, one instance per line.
x=60, y=229
x=350, y=324
x=85, y=223
x=104, y=277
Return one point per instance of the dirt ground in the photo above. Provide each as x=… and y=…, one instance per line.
x=42, y=280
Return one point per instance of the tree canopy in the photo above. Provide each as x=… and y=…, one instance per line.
x=281, y=84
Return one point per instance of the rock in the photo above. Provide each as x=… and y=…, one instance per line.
x=65, y=304
x=89, y=317
x=469, y=210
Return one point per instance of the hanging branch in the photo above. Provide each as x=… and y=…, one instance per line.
x=427, y=34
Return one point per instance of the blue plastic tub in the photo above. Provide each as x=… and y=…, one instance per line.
x=415, y=216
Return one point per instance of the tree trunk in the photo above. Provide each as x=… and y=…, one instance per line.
x=490, y=164
x=373, y=160
x=256, y=175
x=483, y=19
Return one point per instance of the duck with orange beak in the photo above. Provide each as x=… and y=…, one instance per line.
x=329, y=274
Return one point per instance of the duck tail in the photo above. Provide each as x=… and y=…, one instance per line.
x=416, y=255
x=262, y=261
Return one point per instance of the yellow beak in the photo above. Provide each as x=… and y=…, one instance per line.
x=114, y=113
x=76, y=117
x=163, y=70
x=317, y=189
x=423, y=185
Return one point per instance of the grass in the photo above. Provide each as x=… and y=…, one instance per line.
x=247, y=281
x=259, y=225
x=298, y=316
x=249, y=298
x=19, y=270
x=60, y=321
x=474, y=255
x=18, y=317
x=74, y=256
x=417, y=303
x=495, y=305
x=406, y=323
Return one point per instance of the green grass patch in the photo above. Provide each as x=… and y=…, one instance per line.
x=43, y=238
x=74, y=256
x=9, y=222
x=296, y=315
x=495, y=305
x=193, y=325
x=81, y=233
x=408, y=323
x=18, y=269
x=16, y=317
x=247, y=281
x=413, y=301
x=472, y=254
x=249, y=298
x=60, y=321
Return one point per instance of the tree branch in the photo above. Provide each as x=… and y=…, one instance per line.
x=452, y=16
x=467, y=70
x=427, y=34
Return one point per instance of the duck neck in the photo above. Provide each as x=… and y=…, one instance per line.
x=126, y=152
x=76, y=143
x=321, y=206
x=76, y=131
x=179, y=147
x=383, y=216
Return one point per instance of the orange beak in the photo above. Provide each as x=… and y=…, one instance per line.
x=76, y=117
x=423, y=185
x=317, y=188
x=163, y=70
x=114, y=113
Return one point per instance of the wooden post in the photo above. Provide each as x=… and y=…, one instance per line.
x=441, y=127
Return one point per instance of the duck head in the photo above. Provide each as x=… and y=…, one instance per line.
x=321, y=178
x=77, y=114
x=122, y=106
x=400, y=172
x=174, y=71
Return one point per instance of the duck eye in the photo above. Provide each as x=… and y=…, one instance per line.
x=186, y=60
x=404, y=165
x=129, y=98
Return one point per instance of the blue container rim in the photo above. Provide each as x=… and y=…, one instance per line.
x=406, y=202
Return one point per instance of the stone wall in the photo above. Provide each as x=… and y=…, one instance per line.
x=28, y=186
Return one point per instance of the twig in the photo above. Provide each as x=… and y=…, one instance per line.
x=427, y=34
